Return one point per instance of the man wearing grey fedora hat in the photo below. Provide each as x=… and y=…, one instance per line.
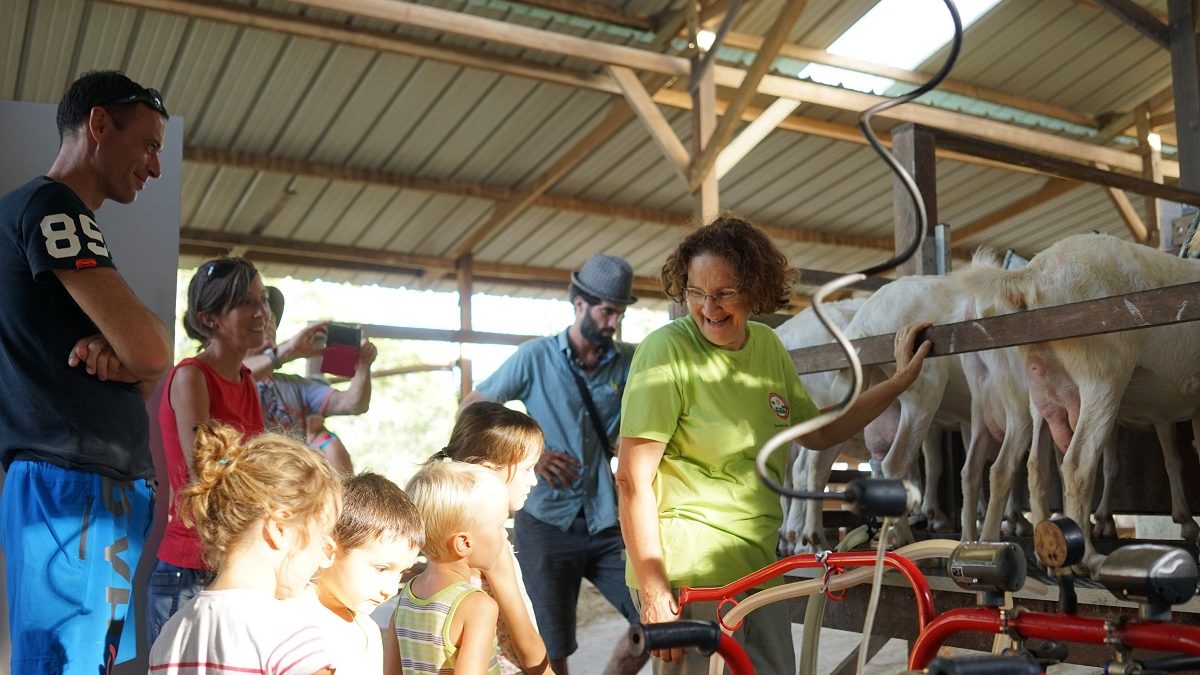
x=572, y=383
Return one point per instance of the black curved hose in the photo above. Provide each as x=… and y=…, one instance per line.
x=914, y=193
x=910, y=185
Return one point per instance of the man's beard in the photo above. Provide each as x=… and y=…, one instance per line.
x=591, y=332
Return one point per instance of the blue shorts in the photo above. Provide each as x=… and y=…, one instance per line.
x=554, y=563
x=72, y=540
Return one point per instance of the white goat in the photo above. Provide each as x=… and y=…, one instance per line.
x=1082, y=386
x=809, y=469
x=940, y=392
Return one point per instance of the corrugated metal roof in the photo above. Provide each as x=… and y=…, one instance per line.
x=274, y=95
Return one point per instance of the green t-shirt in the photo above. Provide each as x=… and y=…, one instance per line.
x=714, y=409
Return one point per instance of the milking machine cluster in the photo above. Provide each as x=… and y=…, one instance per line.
x=1155, y=577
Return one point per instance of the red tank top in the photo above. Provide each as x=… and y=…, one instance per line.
x=232, y=403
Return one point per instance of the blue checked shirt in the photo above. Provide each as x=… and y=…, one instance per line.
x=537, y=376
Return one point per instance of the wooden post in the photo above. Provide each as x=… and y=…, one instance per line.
x=914, y=147
x=464, y=318
x=704, y=122
x=1151, y=170
x=1185, y=76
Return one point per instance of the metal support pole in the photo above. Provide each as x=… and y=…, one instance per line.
x=1185, y=78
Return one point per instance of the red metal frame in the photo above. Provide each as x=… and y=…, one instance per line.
x=1155, y=635
x=735, y=657
x=934, y=632
x=836, y=561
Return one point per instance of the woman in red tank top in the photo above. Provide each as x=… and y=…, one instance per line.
x=227, y=313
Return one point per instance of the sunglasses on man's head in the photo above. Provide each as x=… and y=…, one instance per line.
x=148, y=95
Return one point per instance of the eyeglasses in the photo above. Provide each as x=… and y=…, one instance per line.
x=719, y=297
x=148, y=95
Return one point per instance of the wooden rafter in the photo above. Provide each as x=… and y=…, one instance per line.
x=1129, y=215
x=1185, y=82
x=253, y=162
x=652, y=119
x=1123, y=123
x=726, y=76
x=1065, y=168
x=387, y=42
x=506, y=211
x=811, y=54
x=599, y=12
x=832, y=130
x=276, y=249
x=317, y=254
x=1151, y=166
x=780, y=29
x=366, y=38
x=714, y=11
x=706, y=198
x=1052, y=189
x=481, y=28
x=1138, y=18
x=754, y=133
x=947, y=120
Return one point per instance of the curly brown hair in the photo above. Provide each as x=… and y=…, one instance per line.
x=762, y=270
x=242, y=480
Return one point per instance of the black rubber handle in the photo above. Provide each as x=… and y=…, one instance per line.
x=878, y=496
x=645, y=638
x=985, y=665
x=1173, y=664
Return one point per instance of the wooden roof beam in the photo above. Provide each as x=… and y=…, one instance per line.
x=598, y=12
x=1129, y=215
x=1012, y=135
x=1052, y=189
x=703, y=163
x=318, y=254
x=608, y=54
x=811, y=54
x=1065, y=168
x=253, y=162
x=365, y=38
x=507, y=210
x=276, y=249
x=481, y=28
x=253, y=18
x=652, y=119
x=759, y=128
x=1138, y=18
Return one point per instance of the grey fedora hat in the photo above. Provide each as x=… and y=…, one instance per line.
x=607, y=277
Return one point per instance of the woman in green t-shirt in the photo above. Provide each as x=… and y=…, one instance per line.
x=705, y=392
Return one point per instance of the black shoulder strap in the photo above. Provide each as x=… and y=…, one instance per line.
x=591, y=407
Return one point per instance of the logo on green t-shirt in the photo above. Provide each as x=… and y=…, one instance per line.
x=779, y=404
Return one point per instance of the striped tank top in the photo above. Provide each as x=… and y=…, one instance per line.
x=423, y=630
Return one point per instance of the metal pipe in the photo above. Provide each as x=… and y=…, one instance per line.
x=1156, y=635
x=735, y=657
x=971, y=619
x=924, y=596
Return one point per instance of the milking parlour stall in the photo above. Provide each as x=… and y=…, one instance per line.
x=1019, y=180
